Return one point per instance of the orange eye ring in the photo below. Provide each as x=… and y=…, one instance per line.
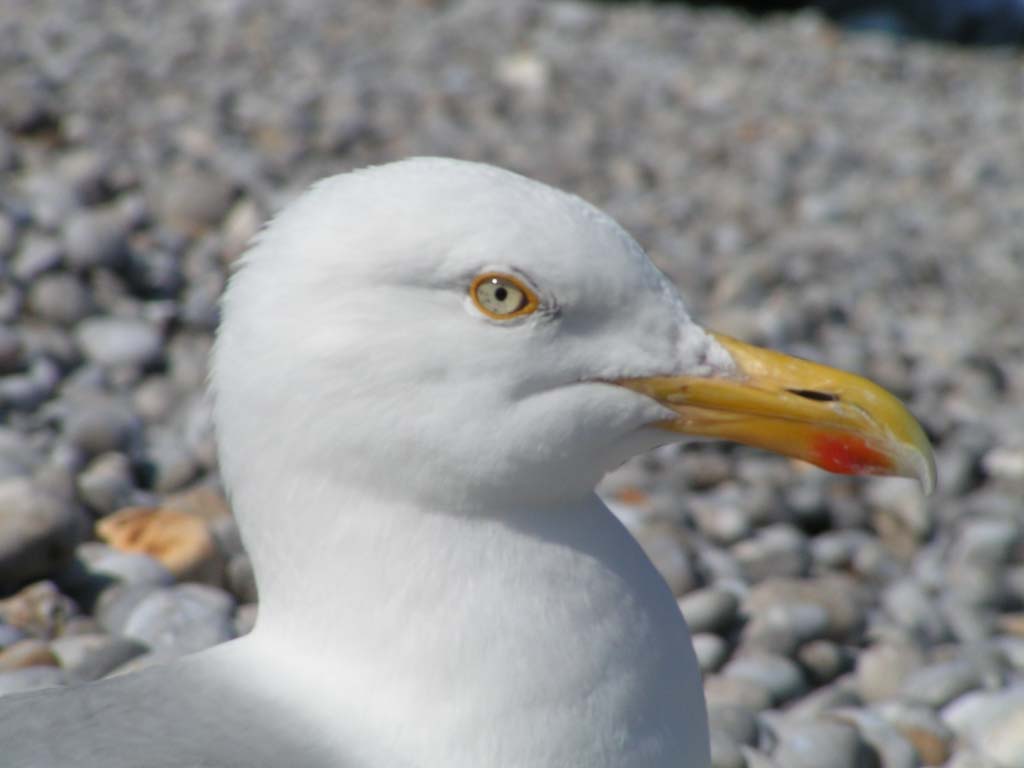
x=502, y=297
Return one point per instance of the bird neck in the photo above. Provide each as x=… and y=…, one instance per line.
x=536, y=618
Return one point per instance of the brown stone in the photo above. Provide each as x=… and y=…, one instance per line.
x=182, y=542
x=30, y=652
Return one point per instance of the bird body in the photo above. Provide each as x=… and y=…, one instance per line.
x=422, y=371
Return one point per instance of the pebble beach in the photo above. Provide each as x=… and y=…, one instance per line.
x=853, y=199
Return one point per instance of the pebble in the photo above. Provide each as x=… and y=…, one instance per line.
x=991, y=722
x=59, y=298
x=37, y=255
x=824, y=661
x=883, y=668
x=97, y=424
x=29, y=652
x=709, y=609
x=190, y=199
x=803, y=744
x=711, y=650
x=919, y=725
x=890, y=748
x=780, y=677
x=722, y=691
x=662, y=546
x=39, y=610
x=182, y=619
x=38, y=532
x=107, y=484
x=94, y=238
x=181, y=542
x=937, y=684
x=92, y=656
x=119, y=341
x=777, y=551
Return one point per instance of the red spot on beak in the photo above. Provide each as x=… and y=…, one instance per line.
x=848, y=454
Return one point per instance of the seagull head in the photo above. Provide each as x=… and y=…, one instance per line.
x=458, y=334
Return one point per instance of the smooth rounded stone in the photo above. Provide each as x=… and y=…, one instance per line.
x=900, y=514
x=938, y=684
x=31, y=679
x=781, y=628
x=10, y=634
x=39, y=610
x=99, y=578
x=225, y=531
x=241, y=581
x=245, y=618
x=59, y=298
x=119, y=341
x=198, y=431
x=777, y=551
x=183, y=619
x=725, y=753
x=187, y=356
x=190, y=199
x=992, y=722
x=711, y=650
x=155, y=399
x=661, y=544
x=835, y=550
x=180, y=541
x=722, y=522
x=889, y=747
x=968, y=622
x=90, y=657
x=107, y=483
x=824, y=660
x=46, y=341
x=910, y=606
x=709, y=609
x=721, y=691
x=781, y=677
x=803, y=743
x=169, y=461
x=986, y=541
x=11, y=350
x=38, y=532
x=17, y=457
x=94, y=238
x=115, y=603
x=88, y=173
x=36, y=255
x=1005, y=463
x=30, y=652
x=844, y=600
x=97, y=424
x=8, y=234
x=840, y=693
x=740, y=723
x=1012, y=648
x=923, y=728
x=882, y=668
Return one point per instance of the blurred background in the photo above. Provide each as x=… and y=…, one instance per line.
x=857, y=198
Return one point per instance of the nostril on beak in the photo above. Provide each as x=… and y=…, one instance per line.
x=811, y=394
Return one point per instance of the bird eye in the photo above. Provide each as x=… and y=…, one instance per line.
x=502, y=297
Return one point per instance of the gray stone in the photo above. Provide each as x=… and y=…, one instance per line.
x=241, y=580
x=662, y=546
x=182, y=619
x=824, y=660
x=98, y=424
x=721, y=691
x=119, y=341
x=883, y=667
x=781, y=677
x=106, y=484
x=781, y=628
x=709, y=609
x=843, y=599
x=919, y=725
x=711, y=650
x=90, y=657
x=171, y=462
x=803, y=744
x=776, y=551
x=94, y=238
x=36, y=255
x=10, y=350
x=938, y=684
x=59, y=298
x=890, y=749
x=725, y=753
x=38, y=532
x=191, y=199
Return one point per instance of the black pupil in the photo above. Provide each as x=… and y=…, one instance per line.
x=501, y=293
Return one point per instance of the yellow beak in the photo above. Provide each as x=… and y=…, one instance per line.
x=833, y=419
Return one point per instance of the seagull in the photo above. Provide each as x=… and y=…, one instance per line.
x=422, y=371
